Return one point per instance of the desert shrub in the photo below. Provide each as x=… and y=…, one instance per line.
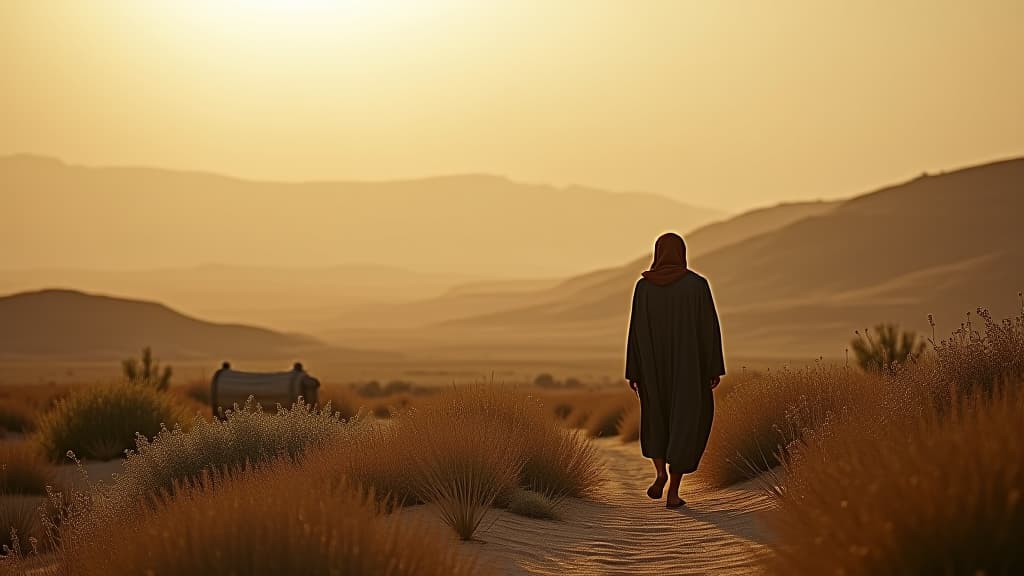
x=23, y=469
x=146, y=371
x=888, y=345
x=559, y=462
x=573, y=383
x=629, y=424
x=545, y=380
x=279, y=520
x=468, y=449
x=934, y=494
x=101, y=422
x=765, y=412
x=247, y=436
x=533, y=505
x=972, y=359
x=19, y=523
x=466, y=452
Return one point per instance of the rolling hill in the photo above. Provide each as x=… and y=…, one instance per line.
x=68, y=325
x=481, y=303
x=142, y=218
x=942, y=244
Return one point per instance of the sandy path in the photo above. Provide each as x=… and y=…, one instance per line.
x=626, y=533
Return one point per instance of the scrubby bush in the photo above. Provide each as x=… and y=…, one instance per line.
x=279, y=520
x=972, y=359
x=471, y=448
x=887, y=346
x=763, y=413
x=247, y=436
x=560, y=462
x=146, y=371
x=468, y=454
x=545, y=380
x=23, y=469
x=941, y=494
x=101, y=422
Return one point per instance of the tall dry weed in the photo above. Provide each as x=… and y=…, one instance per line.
x=764, y=412
x=940, y=494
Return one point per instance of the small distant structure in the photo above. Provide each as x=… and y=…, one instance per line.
x=230, y=387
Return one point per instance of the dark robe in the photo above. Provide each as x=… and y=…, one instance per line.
x=674, y=350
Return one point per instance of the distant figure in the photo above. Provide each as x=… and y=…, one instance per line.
x=673, y=361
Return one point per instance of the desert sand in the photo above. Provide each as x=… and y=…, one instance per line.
x=624, y=532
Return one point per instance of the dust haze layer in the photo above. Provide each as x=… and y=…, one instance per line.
x=470, y=225
x=940, y=244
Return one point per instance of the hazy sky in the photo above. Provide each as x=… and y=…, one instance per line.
x=728, y=104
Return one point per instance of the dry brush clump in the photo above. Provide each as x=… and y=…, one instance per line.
x=941, y=494
x=762, y=413
x=248, y=436
x=926, y=476
x=281, y=519
x=469, y=449
x=101, y=422
x=533, y=505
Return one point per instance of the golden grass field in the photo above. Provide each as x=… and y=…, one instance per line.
x=820, y=469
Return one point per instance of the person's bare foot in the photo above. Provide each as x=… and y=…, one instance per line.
x=656, y=489
x=674, y=501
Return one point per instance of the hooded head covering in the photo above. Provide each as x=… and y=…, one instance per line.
x=669, y=260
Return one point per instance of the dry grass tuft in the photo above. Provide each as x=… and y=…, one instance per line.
x=23, y=469
x=468, y=453
x=533, y=505
x=762, y=413
x=926, y=476
x=943, y=494
x=471, y=448
x=101, y=422
x=279, y=520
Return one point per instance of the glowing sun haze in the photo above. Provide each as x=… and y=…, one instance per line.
x=726, y=104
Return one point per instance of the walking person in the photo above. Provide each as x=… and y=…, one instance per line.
x=674, y=361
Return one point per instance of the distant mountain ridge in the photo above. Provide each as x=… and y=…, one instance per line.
x=65, y=324
x=94, y=218
x=940, y=244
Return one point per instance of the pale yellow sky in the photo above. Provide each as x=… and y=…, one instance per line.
x=723, y=103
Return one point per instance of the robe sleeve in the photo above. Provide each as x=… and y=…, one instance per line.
x=632, y=343
x=712, y=357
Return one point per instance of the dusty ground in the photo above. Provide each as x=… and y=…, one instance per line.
x=624, y=532
x=620, y=532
